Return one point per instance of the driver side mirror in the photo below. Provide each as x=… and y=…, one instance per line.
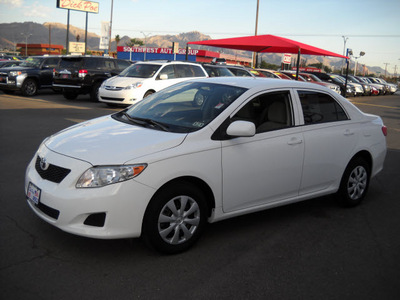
x=241, y=129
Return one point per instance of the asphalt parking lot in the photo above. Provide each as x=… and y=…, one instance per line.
x=309, y=250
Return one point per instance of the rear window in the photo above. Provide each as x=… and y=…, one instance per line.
x=70, y=63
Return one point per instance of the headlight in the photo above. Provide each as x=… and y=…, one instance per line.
x=105, y=175
x=15, y=73
x=134, y=85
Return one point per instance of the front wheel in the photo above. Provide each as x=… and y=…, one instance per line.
x=355, y=183
x=29, y=87
x=175, y=218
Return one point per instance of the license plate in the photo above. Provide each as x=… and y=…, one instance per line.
x=33, y=193
x=65, y=76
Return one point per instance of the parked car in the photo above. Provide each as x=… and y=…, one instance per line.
x=78, y=74
x=35, y=73
x=391, y=88
x=362, y=88
x=218, y=61
x=169, y=164
x=377, y=86
x=240, y=71
x=350, y=89
x=217, y=70
x=145, y=78
x=314, y=79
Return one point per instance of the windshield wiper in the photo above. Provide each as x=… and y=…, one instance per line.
x=142, y=122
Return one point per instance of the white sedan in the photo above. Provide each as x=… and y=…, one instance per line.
x=203, y=151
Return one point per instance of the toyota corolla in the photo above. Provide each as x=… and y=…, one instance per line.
x=203, y=151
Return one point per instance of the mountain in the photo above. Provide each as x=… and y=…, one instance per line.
x=13, y=33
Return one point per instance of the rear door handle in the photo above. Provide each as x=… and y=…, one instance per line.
x=348, y=132
x=295, y=141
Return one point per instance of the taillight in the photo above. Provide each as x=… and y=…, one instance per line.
x=384, y=130
x=54, y=72
x=82, y=73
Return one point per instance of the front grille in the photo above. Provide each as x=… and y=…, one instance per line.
x=113, y=88
x=53, y=173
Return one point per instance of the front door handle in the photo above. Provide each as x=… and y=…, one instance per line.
x=295, y=141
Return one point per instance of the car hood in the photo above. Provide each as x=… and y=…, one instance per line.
x=105, y=141
x=16, y=68
x=121, y=81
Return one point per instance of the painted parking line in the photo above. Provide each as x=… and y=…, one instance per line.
x=17, y=102
x=376, y=105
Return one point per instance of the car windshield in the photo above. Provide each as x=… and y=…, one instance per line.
x=314, y=78
x=32, y=62
x=182, y=108
x=140, y=70
x=341, y=79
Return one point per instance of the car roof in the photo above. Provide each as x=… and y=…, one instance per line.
x=253, y=82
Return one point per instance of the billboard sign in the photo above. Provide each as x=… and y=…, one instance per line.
x=86, y=6
x=104, y=35
x=287, y=59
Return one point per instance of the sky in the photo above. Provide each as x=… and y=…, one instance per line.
x=368, y=25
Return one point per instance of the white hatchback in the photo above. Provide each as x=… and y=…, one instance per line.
x=203, y=151
x=145, y=78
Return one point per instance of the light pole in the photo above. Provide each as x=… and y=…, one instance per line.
x=145, y=40
x=362, y=53
x=344, y=48
x=26, y=42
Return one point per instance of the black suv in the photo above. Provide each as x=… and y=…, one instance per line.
x=84, y=74
x=36, y=72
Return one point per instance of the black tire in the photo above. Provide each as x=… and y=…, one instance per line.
x=70, y=95
x=94, y=93
x=355, y=182
x=29, y=87
x=148, y=93
x=170, y=227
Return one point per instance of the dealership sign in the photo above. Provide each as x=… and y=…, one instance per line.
x=156, y=50
x=287, y=59
x=86, y=6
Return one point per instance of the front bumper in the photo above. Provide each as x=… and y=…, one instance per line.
x=119, y=207
x=11, y=82
x=120, y=96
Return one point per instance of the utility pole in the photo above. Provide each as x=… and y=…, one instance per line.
x=344, y=49
x=109, y=40
x=386, y=64
x=255, y=55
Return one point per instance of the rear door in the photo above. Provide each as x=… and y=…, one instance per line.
x=329, y=139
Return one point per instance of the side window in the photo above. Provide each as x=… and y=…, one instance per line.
x=92, y=63
x=51, y=62
x=108, y=65
x=320, y=108
x=270, y=111
x=167, y=70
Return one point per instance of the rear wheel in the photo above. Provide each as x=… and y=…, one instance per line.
x=29, y=87
x=175, y=218
x=94, y=94
x=355, y=182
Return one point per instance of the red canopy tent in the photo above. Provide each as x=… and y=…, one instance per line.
x=268, y=44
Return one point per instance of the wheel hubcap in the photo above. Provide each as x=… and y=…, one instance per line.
x=178, y=220
x=357, y=183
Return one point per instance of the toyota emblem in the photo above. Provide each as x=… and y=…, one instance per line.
x=44, y=165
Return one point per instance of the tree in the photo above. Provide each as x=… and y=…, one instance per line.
x=134, y=42
x=265, y=65
x=117, y=39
